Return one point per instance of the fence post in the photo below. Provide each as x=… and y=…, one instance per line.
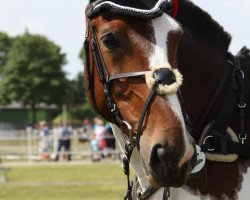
x=29, y=141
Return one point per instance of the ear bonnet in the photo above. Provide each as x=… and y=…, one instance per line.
x=145, y=9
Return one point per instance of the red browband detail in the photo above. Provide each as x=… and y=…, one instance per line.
x=174, y=8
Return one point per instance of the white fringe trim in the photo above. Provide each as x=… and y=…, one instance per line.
x=164, y=89
x=220, y=157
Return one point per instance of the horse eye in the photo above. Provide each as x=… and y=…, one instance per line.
x=110, y=41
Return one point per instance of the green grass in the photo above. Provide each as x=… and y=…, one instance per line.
x=98, y=181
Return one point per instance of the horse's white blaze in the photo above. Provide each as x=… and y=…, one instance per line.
x=175, y=105
x=162, y=26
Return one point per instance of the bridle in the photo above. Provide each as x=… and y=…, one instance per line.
x=163, y=76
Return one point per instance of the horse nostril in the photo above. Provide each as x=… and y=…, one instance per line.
x=159, y=155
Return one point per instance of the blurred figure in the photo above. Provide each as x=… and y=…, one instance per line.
x=63, y=136
x=96, y=154
x=97, y=140
x=100, y=131
x=44, y=144
x=110, y=139
x=85, y=131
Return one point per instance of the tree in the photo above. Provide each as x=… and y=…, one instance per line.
x=5, y=44
x=32, y=73
x=78, y=103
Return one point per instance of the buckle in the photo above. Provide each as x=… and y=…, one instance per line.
x=242, y=138
x=242, y=105
x=204, y=143
x=215, y=142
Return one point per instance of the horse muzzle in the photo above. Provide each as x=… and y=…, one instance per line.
x=165, y=168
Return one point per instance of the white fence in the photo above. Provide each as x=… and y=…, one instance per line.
x=24, y=145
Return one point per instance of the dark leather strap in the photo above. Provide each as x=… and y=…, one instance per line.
x=143, y=112
x=89, y=76
x=127, y=75
x=205, y=113
x=217, y=141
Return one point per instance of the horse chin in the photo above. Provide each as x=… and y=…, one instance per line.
x=157, y=181
x=176, y=177
x=176, y=181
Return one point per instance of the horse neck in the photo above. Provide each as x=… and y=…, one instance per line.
x=202, y=71
x=201, y=56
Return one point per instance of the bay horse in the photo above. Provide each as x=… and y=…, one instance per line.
x=192, y=85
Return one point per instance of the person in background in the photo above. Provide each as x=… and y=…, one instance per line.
x=99, y=131
x=96, y=154
x=85, y=131
x=64, y=141
x=45, y=143
x=109, y=138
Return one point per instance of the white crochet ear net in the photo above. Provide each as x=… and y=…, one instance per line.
x=164, y=89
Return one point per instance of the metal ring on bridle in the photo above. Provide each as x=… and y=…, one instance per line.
x=204, y=142
x=242, y=106
x=166, y=85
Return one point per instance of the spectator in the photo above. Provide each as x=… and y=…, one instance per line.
x=64, y=141
x=44, y=144
x=109, y=138
x=85, y=131
x=96, y=155
x=99, y=130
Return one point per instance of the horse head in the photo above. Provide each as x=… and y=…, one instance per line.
x=132, y=44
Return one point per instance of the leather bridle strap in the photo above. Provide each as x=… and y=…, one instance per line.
x=127, y=75
x=103, y=77
x=212, y=101
x=106, y=80
x=143, y=112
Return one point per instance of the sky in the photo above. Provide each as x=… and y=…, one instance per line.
x=63, y=22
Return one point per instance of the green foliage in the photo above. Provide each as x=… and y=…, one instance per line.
x=71, y=120
x=5, y=44
x=76, y=91
x=79, y=107
x=32, y=72
x=82, y=54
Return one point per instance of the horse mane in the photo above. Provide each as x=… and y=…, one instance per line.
x=202, y=25
x=245, y=52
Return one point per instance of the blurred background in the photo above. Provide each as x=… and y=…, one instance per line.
x=52, y=144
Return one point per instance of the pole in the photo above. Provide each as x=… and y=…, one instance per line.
x=29, y=140
x=64, y=114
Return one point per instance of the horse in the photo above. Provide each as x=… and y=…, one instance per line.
x=160, y=73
